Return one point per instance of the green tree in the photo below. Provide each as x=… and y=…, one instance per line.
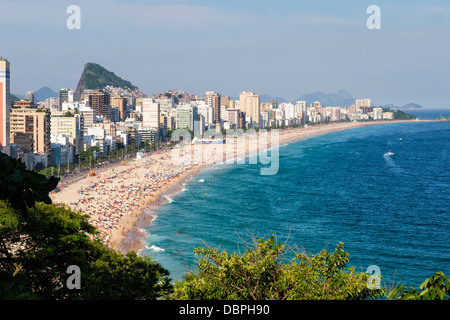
x=85, y=156
x=23, y=188
x=49, y=171
x=39, y=241
x=437, y=287
x=52, y=238
x=39, y=167
x=401, y=115
x=262, y=272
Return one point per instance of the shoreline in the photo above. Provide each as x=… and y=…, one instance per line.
x=134, y=240
x=125, y=234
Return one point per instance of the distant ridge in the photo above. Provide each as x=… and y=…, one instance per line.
x=409, y=106
x=95, y=76
x=41, y=95
x=340, y=99
x=44, y=93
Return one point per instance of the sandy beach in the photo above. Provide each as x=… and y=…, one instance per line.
x=119, y=199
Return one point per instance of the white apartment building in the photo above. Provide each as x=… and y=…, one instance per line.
x=377, y=113
x=70, y=126
x=150, y=113
x=359, y=103
x=207, y=112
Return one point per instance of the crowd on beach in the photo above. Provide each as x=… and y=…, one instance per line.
x=124, y=191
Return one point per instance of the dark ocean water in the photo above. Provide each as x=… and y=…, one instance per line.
x=390, y=211
x=430, y=114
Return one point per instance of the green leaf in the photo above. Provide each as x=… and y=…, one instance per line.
x=424, y=284
x=433, y=294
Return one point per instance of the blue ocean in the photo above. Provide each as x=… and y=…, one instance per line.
x=384, y=191
x=430, y=114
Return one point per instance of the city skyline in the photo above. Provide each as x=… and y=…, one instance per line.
x=286, y=48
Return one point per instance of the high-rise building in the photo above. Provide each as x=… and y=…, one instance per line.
x=365, y=109
x=315, y=104
x=207, y=112
x=359, y=103
x=335, y=113
x=273, y=102
x=225, y=101
x=199, y=126
x=165, y=105
x=233, y=116
x=31, y=96
x=121, y=103
x=70, y=126
x=52, y=103
x=377, y=113
x=5, y=106
x=24, y=104
x=88, y=117
x=150, y=113
x=24, y=140
x=99, y=101
x=114, y=114
x=34, y=122
x=186, y=116
x=149, y=134
x=65, y=95
x=250, y=104
x=213, y=99
x=163, y=126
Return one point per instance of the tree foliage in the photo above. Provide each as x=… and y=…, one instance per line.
x=97, y=77
x=22, y=188
x=262, y=272
x=436, y=287
x=399, y=114
x=40, y=247
x=39, y=241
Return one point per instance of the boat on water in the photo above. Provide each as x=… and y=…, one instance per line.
x=387, y=154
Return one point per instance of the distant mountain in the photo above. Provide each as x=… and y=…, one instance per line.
x=95, y=76
x=409, y=106
x=265, y=98
x=340, y=99
x=15, y=97
x=44, y=93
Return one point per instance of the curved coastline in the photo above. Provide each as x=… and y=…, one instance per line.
x=126, y=235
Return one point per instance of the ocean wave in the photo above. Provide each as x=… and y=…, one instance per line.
x=154, y=248
x=168, y=199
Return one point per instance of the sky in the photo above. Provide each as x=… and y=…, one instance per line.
x=282, y=48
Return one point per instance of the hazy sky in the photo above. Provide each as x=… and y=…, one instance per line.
x=281, y=48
